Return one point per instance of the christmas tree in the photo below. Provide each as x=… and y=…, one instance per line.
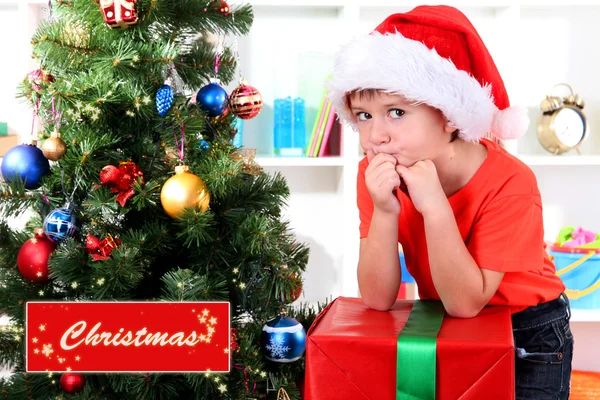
x=134, y=191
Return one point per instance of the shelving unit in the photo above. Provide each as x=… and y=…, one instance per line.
x=566, y=161
x=300, y=161
x=585, y=316
x=536, y=44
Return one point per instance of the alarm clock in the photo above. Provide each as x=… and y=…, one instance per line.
x=562, y=126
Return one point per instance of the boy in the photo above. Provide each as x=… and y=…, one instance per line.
x=423, y=91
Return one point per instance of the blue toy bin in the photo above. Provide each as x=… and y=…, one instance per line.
x=579, y=268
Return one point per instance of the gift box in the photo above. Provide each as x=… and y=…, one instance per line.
x=352, y=352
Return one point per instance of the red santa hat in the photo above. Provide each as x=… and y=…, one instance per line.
x=431, y=55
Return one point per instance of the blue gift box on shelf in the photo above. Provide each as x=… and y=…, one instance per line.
x=289, y=136
x=406, y=276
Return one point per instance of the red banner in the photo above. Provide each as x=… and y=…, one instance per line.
x=127, y=337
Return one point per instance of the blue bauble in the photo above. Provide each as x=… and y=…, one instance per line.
x=212, y=98
x=204, y=145
x=283, y=340
x=60, y=224
x=164, y=100
x=26, y=161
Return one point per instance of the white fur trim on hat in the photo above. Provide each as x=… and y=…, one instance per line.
x=510, y=123
x=397, y=65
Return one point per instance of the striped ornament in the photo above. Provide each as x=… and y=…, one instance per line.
x=245, y=101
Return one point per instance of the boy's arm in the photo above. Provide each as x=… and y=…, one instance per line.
x=379, y=264
x=463, y=287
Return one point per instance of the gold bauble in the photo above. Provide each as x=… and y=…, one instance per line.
x=54, y=147
x=184, y=190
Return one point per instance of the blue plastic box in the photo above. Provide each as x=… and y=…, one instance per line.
x=579, y=268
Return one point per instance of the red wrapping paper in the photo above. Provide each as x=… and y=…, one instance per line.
x=351, y=354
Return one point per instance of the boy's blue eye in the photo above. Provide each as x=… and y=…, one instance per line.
x=396, y=113
x=363, y=116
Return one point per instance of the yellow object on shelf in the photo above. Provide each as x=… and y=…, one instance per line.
x=7, y=143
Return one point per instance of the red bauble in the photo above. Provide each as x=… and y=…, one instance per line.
x=92, y=242
x=72, y=383
x=33, y=257
x=109, y=174
x=245, y=101
x=223, y=8
x=295, y=295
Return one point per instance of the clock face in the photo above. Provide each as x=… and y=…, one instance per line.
x=569, y=126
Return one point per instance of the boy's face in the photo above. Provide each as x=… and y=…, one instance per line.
x=388, y=123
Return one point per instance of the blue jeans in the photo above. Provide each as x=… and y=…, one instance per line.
x=543, y=351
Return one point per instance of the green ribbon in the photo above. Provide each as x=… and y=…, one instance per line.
x=416, y=352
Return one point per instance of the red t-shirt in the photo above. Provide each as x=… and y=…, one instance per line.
x=499, y=216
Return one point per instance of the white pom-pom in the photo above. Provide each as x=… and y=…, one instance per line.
x=510, y=123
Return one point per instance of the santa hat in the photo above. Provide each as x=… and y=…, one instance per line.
x=431, y=55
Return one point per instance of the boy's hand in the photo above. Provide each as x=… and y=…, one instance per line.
x=382, y=179
x=424, y=186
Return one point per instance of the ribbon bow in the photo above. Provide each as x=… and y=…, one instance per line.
x=121, y=179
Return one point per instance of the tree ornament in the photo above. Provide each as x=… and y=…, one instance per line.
x=234, y=345
x=72, y=383
x=223, y=8
x=184, y=190
x=119, y=13
x=296, y=286
x=283, y=340
x=60, y=224
x=54, y=147
x=120, y=180
x=282, y=394
x=164, y=98
x=247, y=157
x=38, y=78
x=27, y=162
x=204, y=145
x=33, y=256
x=245, y=101
x=100, y=249
x=212, y=98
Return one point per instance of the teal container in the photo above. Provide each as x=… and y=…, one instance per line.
x=579, y=268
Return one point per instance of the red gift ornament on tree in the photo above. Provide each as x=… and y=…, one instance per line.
x=101, y=249
x=121, y=179
x=119, y=13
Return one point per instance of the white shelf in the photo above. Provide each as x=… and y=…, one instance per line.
x=294, y=3
x=580, y=315
x=456, y=3
x=560, y=160
x=300, y=161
